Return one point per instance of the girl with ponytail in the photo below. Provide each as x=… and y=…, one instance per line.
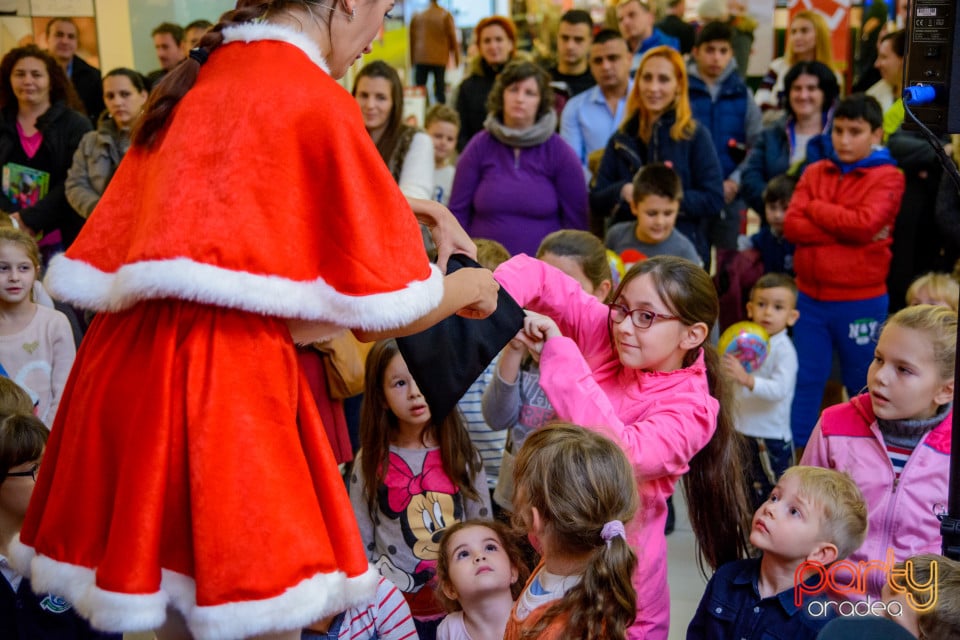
x=641, y=370
x=188, y=485
x=574, y=493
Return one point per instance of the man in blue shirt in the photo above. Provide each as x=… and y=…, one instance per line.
x=635, y=19
x=590, y=118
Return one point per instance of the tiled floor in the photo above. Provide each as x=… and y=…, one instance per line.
x=686, y=583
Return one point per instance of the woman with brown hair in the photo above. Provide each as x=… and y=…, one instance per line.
x=408, y=151
x=42, y=124
x=518, y=180
x=808, y=40
x=496, y=40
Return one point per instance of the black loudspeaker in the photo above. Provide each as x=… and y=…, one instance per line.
x=932, y=59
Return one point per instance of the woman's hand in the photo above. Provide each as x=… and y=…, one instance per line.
x=471, y=293
x=481, y=289
x=447, y=233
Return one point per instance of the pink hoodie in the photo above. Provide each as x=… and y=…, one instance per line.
x=661, y=419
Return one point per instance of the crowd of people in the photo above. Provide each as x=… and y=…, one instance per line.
x=208, y=425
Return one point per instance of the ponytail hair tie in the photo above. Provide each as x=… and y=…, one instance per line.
x=199, y=54
x=611, y=530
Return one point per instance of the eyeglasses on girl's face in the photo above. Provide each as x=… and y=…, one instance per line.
x=31, y=472
x=641, y=318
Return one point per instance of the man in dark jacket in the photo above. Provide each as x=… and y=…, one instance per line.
x=62, y=40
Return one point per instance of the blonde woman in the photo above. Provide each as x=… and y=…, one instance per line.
x=808, y=40
x=659, y=127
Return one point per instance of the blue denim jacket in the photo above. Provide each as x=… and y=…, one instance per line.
x=731, y=608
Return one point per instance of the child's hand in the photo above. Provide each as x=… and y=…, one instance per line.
x=538, y=329
x=730, y=190
x=735, y=370
x=399, y=577
x=517, y=343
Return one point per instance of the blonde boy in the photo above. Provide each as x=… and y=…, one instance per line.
x=813, y=515
x=764, y=397
x=655, y=204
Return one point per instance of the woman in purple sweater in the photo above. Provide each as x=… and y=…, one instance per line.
x=517, y=180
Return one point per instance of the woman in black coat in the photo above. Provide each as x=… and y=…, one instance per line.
x=39, y=133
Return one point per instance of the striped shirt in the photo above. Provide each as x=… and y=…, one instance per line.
x=489, y=443
x=898, y=457
x=386, y=618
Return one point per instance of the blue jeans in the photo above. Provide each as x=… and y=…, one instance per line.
x=768, y=460
x=850, y=328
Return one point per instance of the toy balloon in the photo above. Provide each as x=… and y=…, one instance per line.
x=748, y=341
x=616, y=267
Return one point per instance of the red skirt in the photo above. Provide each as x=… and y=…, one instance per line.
x=188, y=467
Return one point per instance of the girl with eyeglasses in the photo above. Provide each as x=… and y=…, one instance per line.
x=641, y=371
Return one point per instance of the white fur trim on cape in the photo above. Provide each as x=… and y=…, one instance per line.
x=255, y=31
x=297, y=607
x=85, y=286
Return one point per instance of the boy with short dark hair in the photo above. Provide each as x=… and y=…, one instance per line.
x=721, y=101
x=657, y=192
x=764, y=397
x=812, y=515
x=841, y=220
x=775, y=251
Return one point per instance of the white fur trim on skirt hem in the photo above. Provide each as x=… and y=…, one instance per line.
x=299, y=606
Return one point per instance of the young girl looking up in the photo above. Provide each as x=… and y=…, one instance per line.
x=574, y=493
x=480, y=572
x=514, y=400
x=36, y=343
x=894, y=441
x=413, y=477
x=642, y=370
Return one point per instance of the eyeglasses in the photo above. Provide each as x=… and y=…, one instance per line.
x=641, y=318
x=32, y=473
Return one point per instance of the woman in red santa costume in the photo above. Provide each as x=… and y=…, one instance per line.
x=187, y=484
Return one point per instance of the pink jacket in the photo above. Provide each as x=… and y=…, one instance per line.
x=661, y=419
x=901, y=514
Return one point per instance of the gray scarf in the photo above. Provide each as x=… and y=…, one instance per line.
x=907, y=433
x=534, y=135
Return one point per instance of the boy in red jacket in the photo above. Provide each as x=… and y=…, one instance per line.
x=840, y=219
